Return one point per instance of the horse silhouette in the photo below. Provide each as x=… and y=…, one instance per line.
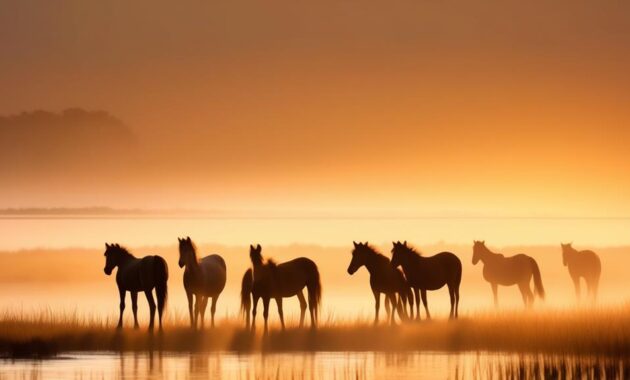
x=138, y=275
x=429, y=273
x=384, y=278
x=271, y=280
x=585, y=264
x=203, y=279
x=514, y=270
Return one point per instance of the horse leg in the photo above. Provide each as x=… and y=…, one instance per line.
x=393, y=301
x=495, y=293
x=388, y=309
x=576, y=285
x=151, y=301
x=266, y=312
x=456, y=291
x=451, y=294
x=526, y=293
x=594, y=284
x=189, y=295
x=302, y=300
x=213, y=309
x=134, y=308
x=423, y=293
x=202, y=310
x=280, y=312
x=121, y=292
x=254, y=308
x=416, y=292
x=377, y=305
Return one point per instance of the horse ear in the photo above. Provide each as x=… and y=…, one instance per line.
x=251, y=247
x=483, y=242
x=188, y=238
x=405, y=243
x=258, y=247
x=106, y=245
x=355, y=244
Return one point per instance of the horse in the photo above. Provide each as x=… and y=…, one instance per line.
x=429, y=273
x=514, y=270
x=384, y=278
x=271, y=280
x=138, y=275
x=203, y=279
x=584, y=264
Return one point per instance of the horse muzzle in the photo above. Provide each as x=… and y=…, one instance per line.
x=107, y=270
x=180, y=263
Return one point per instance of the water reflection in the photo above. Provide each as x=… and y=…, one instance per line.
x=349, y=365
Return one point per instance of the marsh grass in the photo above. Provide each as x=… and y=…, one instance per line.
x=582, y=331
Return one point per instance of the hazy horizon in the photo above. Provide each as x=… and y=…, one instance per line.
x=414, y=108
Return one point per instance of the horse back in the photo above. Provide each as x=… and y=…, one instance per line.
x=433, y=272
x=292, y=276
x=140, y=274
x=585, y=263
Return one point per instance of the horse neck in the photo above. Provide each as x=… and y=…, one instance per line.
x=408, y=257
x=125, y=259
x=374, y=262
x=487, y=255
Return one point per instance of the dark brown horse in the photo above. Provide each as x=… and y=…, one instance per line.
x=514, y=270
x=384, y=278
x=429, y=273
x=277, y=281
x=582, y=264
x=138, y=275
x=203, y=279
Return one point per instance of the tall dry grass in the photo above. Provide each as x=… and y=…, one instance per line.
x=592, y=331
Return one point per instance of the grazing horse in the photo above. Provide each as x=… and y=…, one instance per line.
x=138, y=275
x=429, y=273
x=270, y=280
x=384, y=278
x=514, y=270
x=584, y=264
x=203, y=279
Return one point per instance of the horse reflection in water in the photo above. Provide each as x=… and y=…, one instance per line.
x=582, y=264
x=514, y=270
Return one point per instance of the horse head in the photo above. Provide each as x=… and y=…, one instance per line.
x=255, y=254
x=567, y=249
x=112, y=257
x=479, y=248
x=398, y=251
x=358, y=256
x=187, y=252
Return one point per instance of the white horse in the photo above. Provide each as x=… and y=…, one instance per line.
x=203, y=279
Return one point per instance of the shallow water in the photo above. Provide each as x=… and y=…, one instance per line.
x=322, y=365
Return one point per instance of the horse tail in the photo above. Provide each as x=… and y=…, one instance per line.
x=538, y=286
x=161, y=276
x=314, y=287
x=246, y=291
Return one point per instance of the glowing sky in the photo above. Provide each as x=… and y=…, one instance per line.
x=419, y=107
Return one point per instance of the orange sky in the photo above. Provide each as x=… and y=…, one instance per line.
x=420, y=108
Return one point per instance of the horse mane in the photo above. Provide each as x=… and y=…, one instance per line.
x=375, y=253
x=413, y=250
x=122, y=250
x=271, y=263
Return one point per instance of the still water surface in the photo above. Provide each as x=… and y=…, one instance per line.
x=322, y=365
